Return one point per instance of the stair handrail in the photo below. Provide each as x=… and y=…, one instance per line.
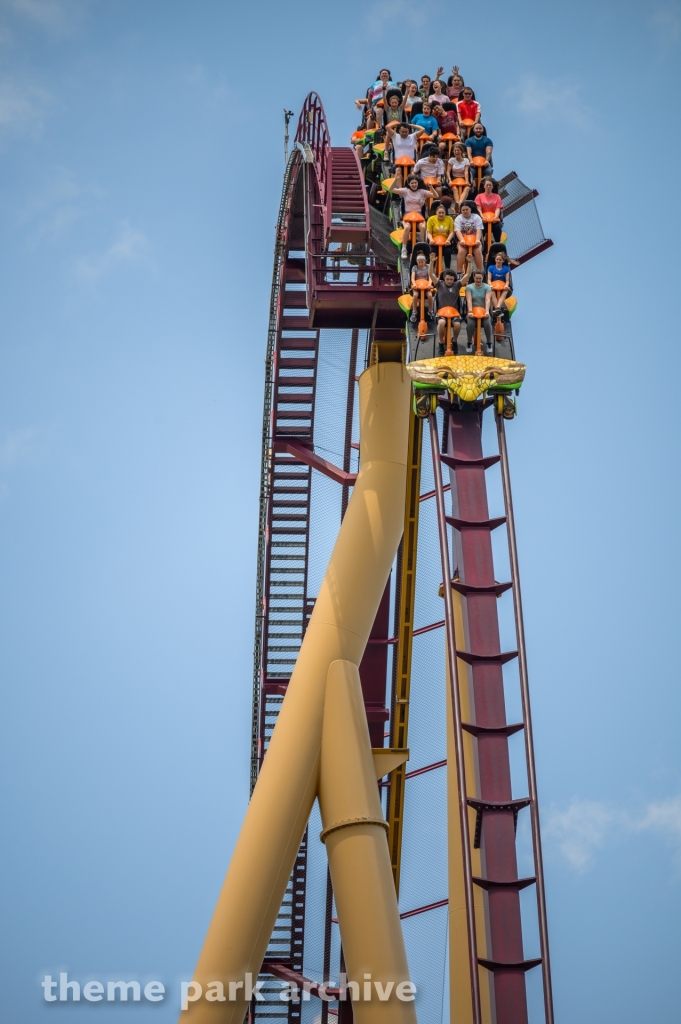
x=313, y=133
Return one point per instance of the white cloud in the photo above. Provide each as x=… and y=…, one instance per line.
x=587, y=825
x=550, y=100
x=129, y=247
x=16, y=446
x=665, y=818
x=580, y=830
x=24, y=106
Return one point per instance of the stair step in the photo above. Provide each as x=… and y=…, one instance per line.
x=295, y=364
x=288, y=344
x=295, y=382
x=295, y=323
x=294, y=397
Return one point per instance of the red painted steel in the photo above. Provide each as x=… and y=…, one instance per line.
x=451, y=648
x=473, y=547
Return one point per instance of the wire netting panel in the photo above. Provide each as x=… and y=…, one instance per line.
x=381, y=243
x=423, y=878
x=522, y=224
x=425, y=936
x=424, y=857
x=524, y=230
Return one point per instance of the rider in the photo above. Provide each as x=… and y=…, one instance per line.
x=441, y=225
x=431, y=166
x=414, y=196
x=447, y=118
x=488, y=201
x=411, y=96
x=499, y=271
x=456, y=85
x=420, y=272
x=468, y=223
x=377, y=91
x=468, y=108
x=438, y=94
x=459, y=167
x=393, y=111
x=403, y=142
x=479, y=294
x=478, y=144
x=425, y=90
x=448, y=289
x=427, y=122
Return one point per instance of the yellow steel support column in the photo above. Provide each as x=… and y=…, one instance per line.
x=460, y=1002
x=359, y=862
x=338, y=630
x=400, y=719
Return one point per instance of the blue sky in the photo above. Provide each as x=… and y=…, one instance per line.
x=140, y=166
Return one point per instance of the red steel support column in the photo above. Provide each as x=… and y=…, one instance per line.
x=473, y=546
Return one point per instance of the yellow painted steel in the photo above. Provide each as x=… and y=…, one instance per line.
x=400, y=718
x=386, y=759
x=354, y=832
x=339, y=628
x=460, y=1002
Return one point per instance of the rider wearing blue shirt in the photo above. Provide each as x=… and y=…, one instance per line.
x=426, y=120
x=498, y=273
x=479, y=144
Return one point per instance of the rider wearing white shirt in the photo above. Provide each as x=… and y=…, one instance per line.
x=403, y=143
x=468, y=223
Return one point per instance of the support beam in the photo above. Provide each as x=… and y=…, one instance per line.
x=304, y=454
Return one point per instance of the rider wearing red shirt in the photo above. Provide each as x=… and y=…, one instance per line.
x=469, y=110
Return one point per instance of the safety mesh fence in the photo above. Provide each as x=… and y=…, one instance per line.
x=424, y=851
x=381, y=243
x=521, y=223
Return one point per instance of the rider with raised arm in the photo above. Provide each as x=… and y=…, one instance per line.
x=448, y=288
x=427, y=122
x=393, y=111
x=456, y=85
x=438, y=94
x=468, y=223
x=479, y=144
